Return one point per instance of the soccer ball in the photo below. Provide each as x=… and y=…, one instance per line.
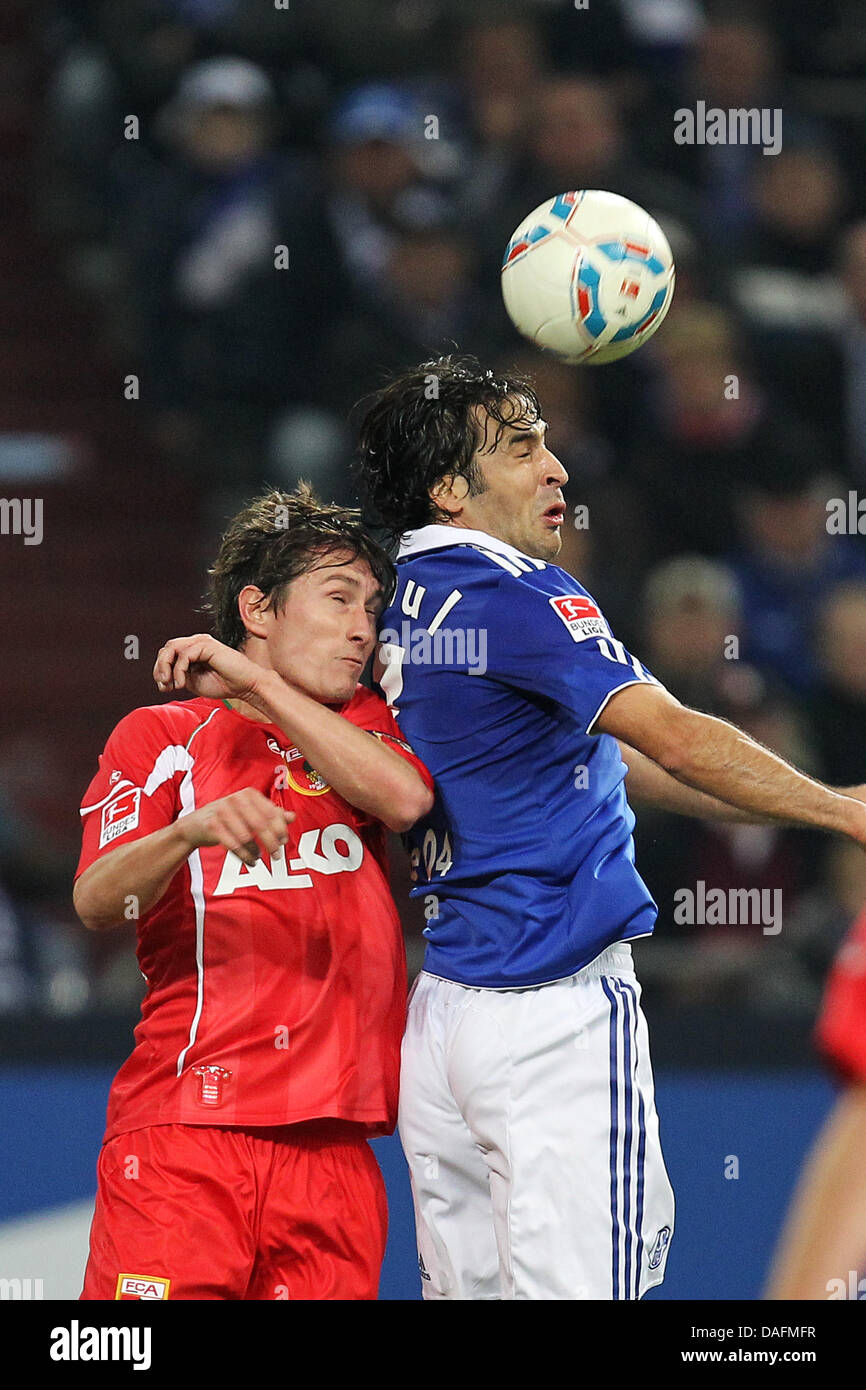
x=588, y=275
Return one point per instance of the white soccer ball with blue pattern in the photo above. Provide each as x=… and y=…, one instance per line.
x=588, y=275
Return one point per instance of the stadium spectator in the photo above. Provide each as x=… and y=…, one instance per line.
x=787, y=562
x=499, y=65
x=376, y=184
x=800, y=198
x=821, y=917
x=595, y=41
x=728, y=963
x=426, y=298
x=825, y=42
x=849, y=357
x=227, y=336
x=19, y=975
x=704, y=413
x=733, y=65
x=786, y=286
x=43, y=964
x=111, y=60
x=692, y=615
x=838, y=707
x=376, y=40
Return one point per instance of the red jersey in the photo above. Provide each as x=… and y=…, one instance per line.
x=275, y=993
x=841, y=1030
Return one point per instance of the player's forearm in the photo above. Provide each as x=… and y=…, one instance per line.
x=650, y=785
x=131, y=879
x=713, y=756
x=361, y=768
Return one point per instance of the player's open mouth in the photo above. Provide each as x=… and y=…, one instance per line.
x=555, y=515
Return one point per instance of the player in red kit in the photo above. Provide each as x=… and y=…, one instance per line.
x=245, y=828
x=822, y=1252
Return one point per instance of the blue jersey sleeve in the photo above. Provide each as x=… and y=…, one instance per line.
x=557, y=645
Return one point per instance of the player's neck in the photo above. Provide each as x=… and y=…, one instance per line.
x=248, y=710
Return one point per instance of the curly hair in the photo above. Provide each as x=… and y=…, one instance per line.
x=277, y=537
x=421, y=428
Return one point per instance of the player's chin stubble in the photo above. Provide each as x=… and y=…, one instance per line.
x=546, y=547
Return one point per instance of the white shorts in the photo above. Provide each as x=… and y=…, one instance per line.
x=529, y=1125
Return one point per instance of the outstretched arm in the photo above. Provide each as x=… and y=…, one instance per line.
x=648, y=784
x=710, y=756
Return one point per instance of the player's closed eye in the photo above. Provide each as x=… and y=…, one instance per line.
x=371, y=612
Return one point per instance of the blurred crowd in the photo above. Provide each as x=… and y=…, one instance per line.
x=273, y=206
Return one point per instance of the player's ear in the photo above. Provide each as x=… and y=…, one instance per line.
x=450, y=492
x=252, y=606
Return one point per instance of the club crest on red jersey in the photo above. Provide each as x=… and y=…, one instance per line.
x=211, y=1082
x=306, y=780
x=145, y=1286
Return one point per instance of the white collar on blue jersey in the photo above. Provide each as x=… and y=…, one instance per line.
x=436, y=537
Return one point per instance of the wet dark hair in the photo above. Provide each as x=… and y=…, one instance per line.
x=276, y=538
x=420, y=428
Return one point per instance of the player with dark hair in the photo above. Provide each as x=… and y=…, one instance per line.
x=243, y=828
x=527, y=1112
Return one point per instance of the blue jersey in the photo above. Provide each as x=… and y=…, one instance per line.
x=498, y=666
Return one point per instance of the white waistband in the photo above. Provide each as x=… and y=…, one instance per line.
x=614, y=960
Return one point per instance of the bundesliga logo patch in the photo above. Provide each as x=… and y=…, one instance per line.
x=140, y=1286
x=580, y=616
x=120, y=815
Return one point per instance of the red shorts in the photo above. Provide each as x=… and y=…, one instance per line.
x=188, y=1211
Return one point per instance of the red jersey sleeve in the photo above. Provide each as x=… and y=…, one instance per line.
x=841, y=1030
x=370, y=712
x=136, y=789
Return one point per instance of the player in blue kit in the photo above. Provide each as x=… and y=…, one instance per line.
x=527, y=1113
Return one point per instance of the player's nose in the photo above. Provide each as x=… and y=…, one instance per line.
x=362, y=626
x=555, y=474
